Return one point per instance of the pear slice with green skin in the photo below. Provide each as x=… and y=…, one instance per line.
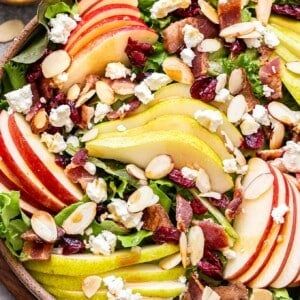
x=182, y=123
x=285, y=22
x=179, y=106
x=90, y=264
x=161, y=289
x=186, y=151
x=137, y=273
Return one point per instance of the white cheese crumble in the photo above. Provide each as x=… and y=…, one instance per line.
x=230, y=165
x=157, y=80
x=116, y=70
x=229, y=253
x=253, y=43
x=210, y=119
x=267, y=91
x=271, y=39
x=90, y=168
x=97, y=190
x=20, y=100
x=192, y=36
x=73, y=141
x=101, y=111
x=143, y=93
x=55, y=143
x=279, y=212
x=249, y=125
x=222, y=96
x=291, y=157
x=162, y=8
x=187, y=55
x=60, y=28
x=60, y=116
x=124, y=108
x=189, y=173
x=104, y=243
x=260, y=115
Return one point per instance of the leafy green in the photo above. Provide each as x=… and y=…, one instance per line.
x=15, y=75
x=154, y=62
x=134, y=239
x=246, y=15
x=118, y=190
x=164, y=199
x=108, y=225
x=12, y=222
x=3, y=104
x=281, y=294
x=60, y=7
x=213, y=2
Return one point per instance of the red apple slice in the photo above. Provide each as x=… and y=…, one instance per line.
x=252, y=225
x=292, y=267
x=14, y=161
x=41, y=161
x=281, y=252
x=96, y=16
x=100, y=28
x=110, y=47
x=265, y=252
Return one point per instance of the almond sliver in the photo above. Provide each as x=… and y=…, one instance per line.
x=209, y=11
x=263, y=11
x=10, y=29
x=237, y=29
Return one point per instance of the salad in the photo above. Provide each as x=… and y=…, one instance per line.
x=151, y=150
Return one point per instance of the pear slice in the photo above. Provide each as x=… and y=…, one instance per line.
x=90, y=264
x=182, y=106
x=285, y=22
x=136, y=273
x=186, y=151
x=285, y=54
x=182, y=123
x=162, y=289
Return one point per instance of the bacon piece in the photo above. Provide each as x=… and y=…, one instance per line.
x=200, y=64
x=269, y=75
x=80, y=157
x=37, y=251
x=31, y=236
x=233, y=291
x=248, y=93
x=195, y=289
x=87, y=114
x=115, y=115
x=211, y=264
x=155, y=216
x=214, y=234
x=233, y=208
x=173, y=36
x=230, y=13
x=265, y=54
x=184, y=213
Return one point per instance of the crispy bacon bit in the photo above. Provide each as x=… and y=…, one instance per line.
x=80, y=157
x=195, y=289
x=184, y=213
x=198, y=207
x=269, y=154
x=154, y=217
x=200, y=64
x=215, y=236
x=87, y=114
x=292, y=11
x=247, y=92
x=176, y=176
x=37, y=251
x=46, y=89
x=229, y=13
x=77, y=174
x=211, y=265
x=265, y=54
x=233, y=291
x=269, y=75
x=115, y=115
x=234, y=206
x=31, y=236
x=166, y=235
x=173, y=36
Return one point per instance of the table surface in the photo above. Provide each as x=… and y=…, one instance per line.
x=8, y=13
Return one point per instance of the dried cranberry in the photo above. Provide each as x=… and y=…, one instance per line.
x=237, y=47
x=52, y=130
x=166, y=235
x=34, y=73
x=254, y=141
x=101, y=209
x=177, y=177
x=71, y=245
x=204, y=88
x=75, y=113
x=138, y=58
x=211, y=265
x=198, y=207
x=62, y=160
x=192, y=11
x=292, y=11
x=220, y=203
x=80, y=157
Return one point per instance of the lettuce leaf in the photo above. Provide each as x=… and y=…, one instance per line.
x=59, y=8
x=110, y=226
x=134, y=239
x=15, y=76
x=164, y=199
x=281, y=294
x=154, y=62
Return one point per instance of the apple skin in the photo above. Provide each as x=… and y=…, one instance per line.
x=41, y=162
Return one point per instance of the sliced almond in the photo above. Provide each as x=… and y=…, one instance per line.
x=91, y=285
x=239, y=157
x=55, y=63
x=43, y=224
x=263, y=10
x=236, y=109
x=159, y=167
x=236, y=80
x=221, y=82
x=196, y=242
x=10, y=29
x=203, y=182
x=277, y=135
x=237, y=29
x=209, y=294
x=90, y=135
x=261, y=294
x=39, y=122
x=282, y=113
x=136, y=172
x=85, y=97
x=170, y=262
x=80, y=218
x=293, y=66
x=105, y=93
x=209, y=45
x=123, y=87
x=209, y=11
x=252, y=35
x=142, y=198
x=73, y=92
x=228, y=143
x=177, y=70
x=183, y=247
x=258, y=186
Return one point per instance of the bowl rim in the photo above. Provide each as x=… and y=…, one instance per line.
x=16, y=266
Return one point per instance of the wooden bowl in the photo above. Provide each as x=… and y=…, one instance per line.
x=13, y=274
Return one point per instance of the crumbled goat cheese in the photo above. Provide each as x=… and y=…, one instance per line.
x=271, y=39
x=210, y=119
x=267, y=91
x=73, y=141
x=229, y=254
x=55, y=143
x=97, y=190
x=162, y=8
x=189, y=173
x=230, y=165
x=20, y=100
x=157, y=80
x=279, y=212
x=249, y=125
x=192, y=36
x=90, y=168
x=116, y=70
x=124, y=108
x=143, y=93
x=60, y=116
x=104, y=243
x=187, y=55
x=253, y=43
x=222, y=96
x=63, y=77
x=260, y=115
x=121, y=128
x=291, y=157
x=101, y=111
x=60, y=28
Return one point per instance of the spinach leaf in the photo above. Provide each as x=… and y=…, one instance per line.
x=164, y=199
x=134, y=239
x=15, y=75
x=110, y=226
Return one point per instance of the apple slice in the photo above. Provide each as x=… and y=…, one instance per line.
x=110, y=47
x=90, y=5
x=96, y=16
x=292, y=267
x=277, y=261
x=41, y=161
x=271, y=240
x=14, y=161
x=252, y=225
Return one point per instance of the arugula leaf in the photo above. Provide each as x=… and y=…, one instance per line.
x=15, y=73
x=164, y=199
x=110, y=226
x=281, y=294
x=134, y=239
